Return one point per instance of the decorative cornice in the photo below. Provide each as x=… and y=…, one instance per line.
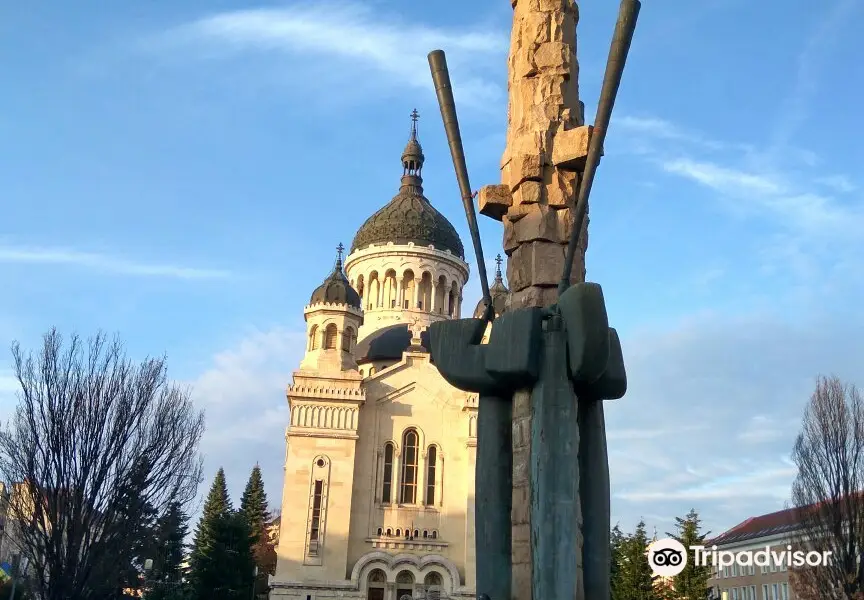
x=405, y=250
x=333, y=307
x=348, y=394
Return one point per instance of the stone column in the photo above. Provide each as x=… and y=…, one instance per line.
x=547, y=143
x=416, y=296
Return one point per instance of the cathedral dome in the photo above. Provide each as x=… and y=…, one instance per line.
x=336, y=289
x=388, y=343
x=498, y=292
x=409, y=217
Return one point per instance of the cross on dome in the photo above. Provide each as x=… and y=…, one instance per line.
x=339, y=250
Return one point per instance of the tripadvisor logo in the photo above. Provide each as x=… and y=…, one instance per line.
x=668, y=557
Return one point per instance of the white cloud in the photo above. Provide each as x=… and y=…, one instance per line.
x=102, y=262
x=243, y=394
x=348, y=36
x=838, y=183
x=712, y=410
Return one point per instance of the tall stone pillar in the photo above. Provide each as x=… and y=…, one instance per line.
x=547, y=143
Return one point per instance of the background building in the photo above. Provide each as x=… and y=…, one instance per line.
x=378, y=498
x=774, y=530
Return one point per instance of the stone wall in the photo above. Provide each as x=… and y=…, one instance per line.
x=547, y=142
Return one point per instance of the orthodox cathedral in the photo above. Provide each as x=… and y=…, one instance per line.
x=378, y=498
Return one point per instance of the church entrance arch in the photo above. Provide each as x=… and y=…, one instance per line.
x=404, y=585
x=377, y=583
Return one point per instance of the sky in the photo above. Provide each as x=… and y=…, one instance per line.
x=181, y=173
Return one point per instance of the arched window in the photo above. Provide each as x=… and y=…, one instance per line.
x=348, y=338
x=431, y=466
x=330, y=335
x=387, y=487
x=313, y=338
x=433, y=582
x=434, y=534
x=398, y=532
x=380, y=532
x=410, y=444
x=376, y=584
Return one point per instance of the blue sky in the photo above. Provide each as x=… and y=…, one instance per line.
x=180, y=173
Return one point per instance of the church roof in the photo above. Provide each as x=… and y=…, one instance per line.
x=409, y=216
x=387, y=343
x=336, y=289
x=498, y=292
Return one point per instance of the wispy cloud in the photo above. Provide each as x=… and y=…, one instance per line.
x=795, y=106
x=352, y=34
x=102, y=262
x=656, y=128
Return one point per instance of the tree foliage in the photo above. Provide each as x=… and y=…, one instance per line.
x=692, y=582
x=631, y=571
x=827, y=492
x=95, y=443
x=253, y=505
x=222, y=564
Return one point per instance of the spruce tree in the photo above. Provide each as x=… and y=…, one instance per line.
x=226, y=572
x=254, y=507
x=205, y=546
x=692, y=582
x=253, y=504
x=165, y=579
x=617, y=542
x=636, y=577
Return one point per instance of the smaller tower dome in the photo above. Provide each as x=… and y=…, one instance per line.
x=336, y=289
x=498, y=292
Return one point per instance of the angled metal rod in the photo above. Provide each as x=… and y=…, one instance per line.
x=444, y=91
x=624, y=29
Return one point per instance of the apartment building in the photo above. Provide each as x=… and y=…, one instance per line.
x=771, y=582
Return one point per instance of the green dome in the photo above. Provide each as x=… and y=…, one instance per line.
x=409, y=217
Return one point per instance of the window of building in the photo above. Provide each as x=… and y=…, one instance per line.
x=348, y=339
x=380, y=531
x=434, y=535
x=785, y=591
x=398, y=532
x=405, y=585
x=410, y=444
x=433, y=582
x=387, y=484
x=330, y=335
x=431, y=465
x=765, y=595
x=375, y=585
x=315, y=527
x=313, y=338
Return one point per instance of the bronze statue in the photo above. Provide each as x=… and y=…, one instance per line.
x=570, y=360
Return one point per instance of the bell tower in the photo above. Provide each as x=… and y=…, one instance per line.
x=324, y=402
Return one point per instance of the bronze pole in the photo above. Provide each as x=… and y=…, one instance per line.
x=444, y=91
x=621, y=40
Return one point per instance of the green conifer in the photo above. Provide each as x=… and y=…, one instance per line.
x=692, y=582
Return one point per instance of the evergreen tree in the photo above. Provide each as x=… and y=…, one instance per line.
x=636, y=578
x=692, y=582
x=253, y=505
x=205, y=550
x=617, y=542
x=165, y=579
x=226, y=571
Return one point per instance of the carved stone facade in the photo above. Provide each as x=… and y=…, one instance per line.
x=378, y=496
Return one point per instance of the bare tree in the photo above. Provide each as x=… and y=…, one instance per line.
x=96, y=443
x=827, y=492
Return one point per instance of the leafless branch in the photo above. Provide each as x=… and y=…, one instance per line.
x=95, y=441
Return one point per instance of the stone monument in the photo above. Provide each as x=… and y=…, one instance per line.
x=542, y=483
